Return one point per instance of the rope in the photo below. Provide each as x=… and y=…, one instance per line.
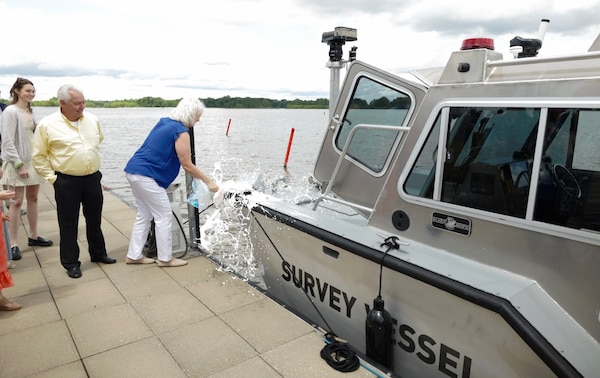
x=296, y=281
x=183, y=233
x=149, y=249
x=339, y=355
x=390, y=242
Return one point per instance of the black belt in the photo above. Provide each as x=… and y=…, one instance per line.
x=66, y=175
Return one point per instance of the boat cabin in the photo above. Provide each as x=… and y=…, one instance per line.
x=471, y=194
x=492, y=160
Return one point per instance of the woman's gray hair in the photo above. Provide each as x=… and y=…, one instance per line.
x=187, y=110
x=64, y=92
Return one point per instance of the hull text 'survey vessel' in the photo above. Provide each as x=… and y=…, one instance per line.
x=462, y=204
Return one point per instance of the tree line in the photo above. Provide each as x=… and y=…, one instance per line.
x=223, y=102
x=238, y=103
x=384, y=102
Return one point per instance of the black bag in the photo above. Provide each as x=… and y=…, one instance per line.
x=149, y=249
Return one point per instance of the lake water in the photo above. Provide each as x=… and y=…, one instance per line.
x=251, y=153
x=256, y=143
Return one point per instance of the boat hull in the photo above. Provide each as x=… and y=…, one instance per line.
x=441, y=327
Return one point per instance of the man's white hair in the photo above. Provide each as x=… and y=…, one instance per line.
x=64, y=92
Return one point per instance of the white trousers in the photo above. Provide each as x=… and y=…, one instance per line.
x=152, y=203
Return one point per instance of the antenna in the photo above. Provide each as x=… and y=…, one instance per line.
x=542, y=30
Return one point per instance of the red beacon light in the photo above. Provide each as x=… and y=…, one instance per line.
x=477, y=43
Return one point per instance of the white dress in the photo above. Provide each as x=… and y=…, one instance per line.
x=10, y=176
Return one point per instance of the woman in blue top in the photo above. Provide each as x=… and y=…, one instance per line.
x=152, y=168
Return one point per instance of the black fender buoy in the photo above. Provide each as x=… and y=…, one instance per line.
x=378, y=329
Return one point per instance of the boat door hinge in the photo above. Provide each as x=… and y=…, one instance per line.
x=335, y=121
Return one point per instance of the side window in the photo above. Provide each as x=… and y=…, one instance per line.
x=568, y=192
x=586, y=154
x=421, y=178
x=372, y=103
x=488, y=159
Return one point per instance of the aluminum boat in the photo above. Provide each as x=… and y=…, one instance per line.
x=462, y=203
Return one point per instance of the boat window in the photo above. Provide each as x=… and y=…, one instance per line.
x=488, y=159
x=420, y=179
x=568, y=192
x=372, y=103
x=489, y=155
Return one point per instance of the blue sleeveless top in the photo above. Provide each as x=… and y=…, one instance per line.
x=156, y=157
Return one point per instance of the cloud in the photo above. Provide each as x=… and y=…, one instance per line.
x=572, y=21
x=45, y=69
x=357, y=6
x=268, y=48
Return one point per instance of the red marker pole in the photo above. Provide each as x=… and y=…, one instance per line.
x=228, y=124
x=287, y=154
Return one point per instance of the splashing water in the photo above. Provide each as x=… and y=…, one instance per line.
x=224, y=231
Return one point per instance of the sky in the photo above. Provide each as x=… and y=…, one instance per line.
x=129, y=49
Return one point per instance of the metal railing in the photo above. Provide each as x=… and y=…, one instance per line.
x=342, y=157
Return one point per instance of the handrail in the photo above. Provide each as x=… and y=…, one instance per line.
x=341, y=159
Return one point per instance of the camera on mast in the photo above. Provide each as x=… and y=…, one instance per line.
x=336, y=39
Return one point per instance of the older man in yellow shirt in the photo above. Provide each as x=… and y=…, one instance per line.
x=66, y=154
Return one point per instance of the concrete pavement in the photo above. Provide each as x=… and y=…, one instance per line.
x=123, y=320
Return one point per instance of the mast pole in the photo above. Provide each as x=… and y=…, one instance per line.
x=336, y=39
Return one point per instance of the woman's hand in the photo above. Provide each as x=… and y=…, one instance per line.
x=22, y=172
x=212, y=186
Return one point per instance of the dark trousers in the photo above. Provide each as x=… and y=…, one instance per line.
x=71, y=192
